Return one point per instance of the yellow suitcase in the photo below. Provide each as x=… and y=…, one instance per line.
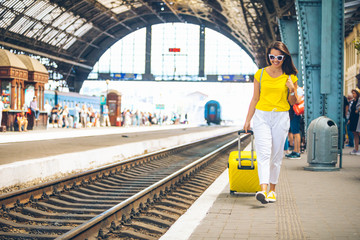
x=243, y=175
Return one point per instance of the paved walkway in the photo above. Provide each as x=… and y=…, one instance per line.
x=311, y=205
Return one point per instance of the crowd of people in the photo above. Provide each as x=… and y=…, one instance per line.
x=86, y=117
x=351, y=121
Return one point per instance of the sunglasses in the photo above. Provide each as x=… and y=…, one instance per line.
x=278, y=57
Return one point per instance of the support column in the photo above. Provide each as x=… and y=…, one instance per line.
x=321, y=25
x=147, y=75
x=13, y=98
x=290, y=36
x=202, y=51
x=322, y=51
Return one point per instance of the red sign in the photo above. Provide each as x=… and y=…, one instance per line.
x=174, y=49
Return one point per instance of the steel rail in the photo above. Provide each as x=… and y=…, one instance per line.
x=128, y=208
x=20, y=197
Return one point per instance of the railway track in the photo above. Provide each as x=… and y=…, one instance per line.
x=138, y=198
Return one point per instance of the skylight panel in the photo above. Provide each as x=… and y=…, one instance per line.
x=51, y=16
x=81, y=31
x=61, y=18
x=45, y=11
x=35, y=31
x=35, y=9
x=70, y=42
x=6, y=19
x=44, y=33
x=50, y=35
x=120, y=9
x=19, y=26
x=20, y=6
x=57, y=39
x=115, y=6
x=75, y=26
x=68, y=21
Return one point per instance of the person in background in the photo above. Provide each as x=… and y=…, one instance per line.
x=55, y=114
x=34, y=108
x=77, y=111
x=106, y=116
x=22, y=121
x=48, y=108
x=1, y=109
x=274, y=88
x=83, y=116
x=349, y=133
x=295, y=128
x=345, y=110
x=353, y=121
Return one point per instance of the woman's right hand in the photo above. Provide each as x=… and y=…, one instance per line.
x=246, y=126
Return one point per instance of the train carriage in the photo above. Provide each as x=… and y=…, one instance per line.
x=212, y=112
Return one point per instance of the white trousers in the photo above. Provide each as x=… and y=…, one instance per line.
x=270, y=131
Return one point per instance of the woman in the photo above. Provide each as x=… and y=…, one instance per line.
x=269, y=107
x=353, y=121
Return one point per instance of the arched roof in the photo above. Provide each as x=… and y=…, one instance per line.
x=75, y=33
x=8, y=59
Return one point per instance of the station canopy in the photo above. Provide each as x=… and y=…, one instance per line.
x=75, y=33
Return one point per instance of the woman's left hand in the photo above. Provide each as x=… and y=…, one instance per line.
x=290, y=84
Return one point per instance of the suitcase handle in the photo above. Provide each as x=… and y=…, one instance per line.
x=252, y=146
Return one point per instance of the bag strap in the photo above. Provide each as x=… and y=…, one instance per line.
x=262, y=71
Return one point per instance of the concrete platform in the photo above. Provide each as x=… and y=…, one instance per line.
x=28, y=158
x=311, y=205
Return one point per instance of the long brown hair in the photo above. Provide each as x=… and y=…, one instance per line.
x=288, y=66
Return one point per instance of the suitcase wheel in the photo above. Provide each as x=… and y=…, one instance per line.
x=232, y=192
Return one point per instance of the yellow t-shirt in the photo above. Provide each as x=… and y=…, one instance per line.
x=273, y=92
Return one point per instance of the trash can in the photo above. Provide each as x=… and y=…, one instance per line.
x=322, y=145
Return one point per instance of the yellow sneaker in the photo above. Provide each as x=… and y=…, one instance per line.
x=271, y=197
x=261, y=197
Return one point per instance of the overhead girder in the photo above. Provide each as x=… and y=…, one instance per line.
x=252, y=24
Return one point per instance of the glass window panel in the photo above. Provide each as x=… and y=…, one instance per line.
x=63, y=18
x=70, y=42
x=35, y=31
x=51, y=16
x=46, y=9
x=21, y=25
x=74, y=26
x=35, y=9
x=82, y=30
x=7, y=19
x=55, y=41
x=223, y=56
x=50, y=35
x=185, y=38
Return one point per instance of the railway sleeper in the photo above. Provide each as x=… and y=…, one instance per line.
x=195, y=184
x=83, y=200
x=53, y=208
x=171, y=203
x=39, y=213
x=36, y=228
x=184, y=196
x=98, y=197
x=154, y=220
x=135, y=235
x=170, y=209
x=19, y=217
x=190, y=188
x=148, y=227
x=179, y=200
x=61, y=203
x=188, y=193
x=163, y=214
x=96, y=191
x=22, y=236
